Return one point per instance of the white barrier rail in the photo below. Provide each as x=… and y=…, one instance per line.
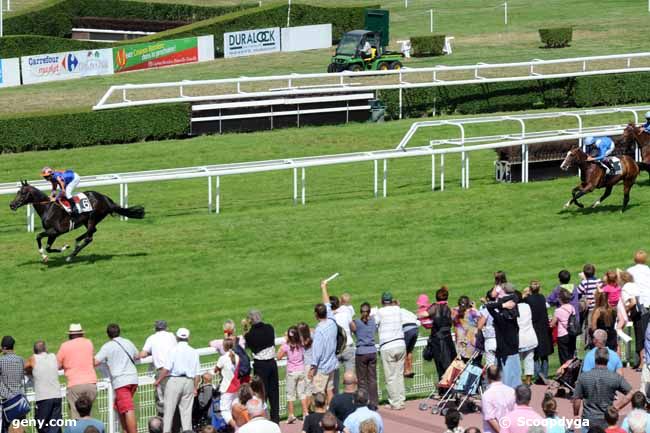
x=343, y=81
x=421, y=384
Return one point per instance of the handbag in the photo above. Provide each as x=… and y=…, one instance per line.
x=15, y=407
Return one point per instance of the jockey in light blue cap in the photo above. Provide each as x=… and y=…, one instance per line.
x=646, y=125
x=605, y=147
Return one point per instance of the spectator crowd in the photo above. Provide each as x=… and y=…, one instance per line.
x=331, y=368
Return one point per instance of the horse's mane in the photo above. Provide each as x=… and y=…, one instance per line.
x=38, y=194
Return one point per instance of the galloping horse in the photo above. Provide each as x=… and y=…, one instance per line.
x=592, y=176
x=633, y=134
x=56, y=220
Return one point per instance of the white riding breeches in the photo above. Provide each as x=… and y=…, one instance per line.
x=69, y=189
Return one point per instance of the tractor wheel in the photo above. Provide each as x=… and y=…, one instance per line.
x=331, y=68
x=396, y=65
x=383, y=66
x=355, y=67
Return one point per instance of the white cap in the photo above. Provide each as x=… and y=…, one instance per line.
x=183, y=333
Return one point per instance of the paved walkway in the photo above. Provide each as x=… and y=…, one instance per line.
x=412, y=420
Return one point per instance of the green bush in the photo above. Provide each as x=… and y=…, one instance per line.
x=557, y=37
x=425, y=46
x=342, y=19
x=612, y=89
x=90, y=128
x=25, y=45
x=55, y=18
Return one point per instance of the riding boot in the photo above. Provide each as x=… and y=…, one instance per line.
x=73, y=208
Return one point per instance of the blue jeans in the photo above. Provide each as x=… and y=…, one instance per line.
x=541, y=366
x=510, y=370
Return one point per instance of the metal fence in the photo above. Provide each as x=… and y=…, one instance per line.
x=421, y=384
x=126, y=95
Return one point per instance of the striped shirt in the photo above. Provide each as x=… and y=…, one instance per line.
x=588, y=288
x=11, y=375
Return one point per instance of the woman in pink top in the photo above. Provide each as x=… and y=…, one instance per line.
x=566, y=344
x=296, y=380
x=612, y=288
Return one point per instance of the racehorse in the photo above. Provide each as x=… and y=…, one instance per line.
x=57, y=221
x=592, y=176
x=633, y=134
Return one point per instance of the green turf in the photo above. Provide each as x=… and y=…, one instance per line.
x=196, y=270
x=611, y=27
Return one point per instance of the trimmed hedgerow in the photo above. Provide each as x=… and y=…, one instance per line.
x=25, y=45
x=424, y=46
x=557, y=37
x=91, y=128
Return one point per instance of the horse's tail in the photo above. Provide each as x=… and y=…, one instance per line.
x=136, y=212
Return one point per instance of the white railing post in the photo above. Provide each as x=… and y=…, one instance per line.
x=295, y=186
x=218, y=198
x=385, y=176
x=126, y=198
x=303, y=185
x=376, y=188
x=433, y=172
x=442, y=172
x=121, y=198
x=110, y=401
x=209, y=194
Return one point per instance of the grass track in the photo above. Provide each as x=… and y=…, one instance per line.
x=196, y=269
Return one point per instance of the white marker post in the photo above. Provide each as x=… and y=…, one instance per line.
x=8, y=5
x=431, y=20
x=505, y=12
x=406, y=3
x=289, y=15
x=332, y=277
x=1, y=34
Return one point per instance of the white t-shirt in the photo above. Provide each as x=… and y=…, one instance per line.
x=259, y=425
x=159, y=345
x=227, y=371
x=343, y=318
x=350, y=308
x=641, y=274
x=389, y=321
x=527, y=336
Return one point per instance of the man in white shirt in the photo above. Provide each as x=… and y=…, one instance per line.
x=343, y=317
x=392, y=349
x=120, y=355
x=641, y=274
x=258, y=422
x=182, y=367
x=158, y=346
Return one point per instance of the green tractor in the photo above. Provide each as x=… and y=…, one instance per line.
x=351, y=56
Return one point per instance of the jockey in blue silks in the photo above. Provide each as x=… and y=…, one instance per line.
x=646, y=125
x=65, y=181
x=604, y=146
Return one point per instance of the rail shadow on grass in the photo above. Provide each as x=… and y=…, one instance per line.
x=59, y=260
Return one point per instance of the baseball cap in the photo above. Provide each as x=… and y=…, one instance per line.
x=183, y=333
x=387, y=297
x=160, y=325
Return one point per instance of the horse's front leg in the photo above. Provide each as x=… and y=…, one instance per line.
x=39, y=237
x=50, y=241
x=574, y=191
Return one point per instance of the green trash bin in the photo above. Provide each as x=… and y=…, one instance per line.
x=377, y=111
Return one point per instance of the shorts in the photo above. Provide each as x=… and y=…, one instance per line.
x=124, y=398
x=410, y=338
x=309, y=386
x=295, y=385
x=323, y=382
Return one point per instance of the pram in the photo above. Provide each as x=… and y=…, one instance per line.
x=202, y=406
x=461, y=382
x=566, y=378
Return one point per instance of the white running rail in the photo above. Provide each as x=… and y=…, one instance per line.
x=125, y=95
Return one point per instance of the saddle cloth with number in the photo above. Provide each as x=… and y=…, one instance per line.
x=82, y=203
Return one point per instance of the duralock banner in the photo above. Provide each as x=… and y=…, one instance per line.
x=250, y=42
x=66, y=66
x=155, y=54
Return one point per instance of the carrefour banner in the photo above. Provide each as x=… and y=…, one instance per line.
x=9, y=72
x=66, y=66
x=155, y=54
x=249, y=42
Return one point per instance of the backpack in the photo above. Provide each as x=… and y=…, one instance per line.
x=573, y=326
x=341, y=339
x=244, y=366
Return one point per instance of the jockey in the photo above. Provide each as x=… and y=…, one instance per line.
x=605, y=147
x=646, y=125
x=66, y=181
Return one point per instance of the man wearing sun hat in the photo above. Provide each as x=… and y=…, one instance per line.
x=76, y=358
x=182, y=366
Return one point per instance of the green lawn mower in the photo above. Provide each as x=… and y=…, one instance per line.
x=351, y=56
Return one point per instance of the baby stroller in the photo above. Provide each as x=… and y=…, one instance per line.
x=462, y=383
x=566, y=378
x=202, y=406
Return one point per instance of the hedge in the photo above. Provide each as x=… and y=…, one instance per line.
x=557, y=37
x=16, y=46
x=105, y=23
x=424, y=46
x=343, y=19
x=55, y=19
x=90, y=128
x=588, y=91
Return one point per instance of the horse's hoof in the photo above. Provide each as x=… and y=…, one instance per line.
x=68, y=259
x=595, y=205
x=45, y=259
x=567, y=205
x=65, y=247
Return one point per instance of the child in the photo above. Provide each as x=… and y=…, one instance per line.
x=424, y=304
x=549, y=407
x=612, y=288
x=452, y=419
x=227, y=368
x=499, y=280
x=611, y=416
x=295, y=353
x=346, y=300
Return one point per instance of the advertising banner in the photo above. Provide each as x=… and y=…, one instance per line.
x=251, y=42
x=155, y=54
x=307, y=37
x=66, y=66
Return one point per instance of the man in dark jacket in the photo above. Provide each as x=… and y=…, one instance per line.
x=504, y=312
